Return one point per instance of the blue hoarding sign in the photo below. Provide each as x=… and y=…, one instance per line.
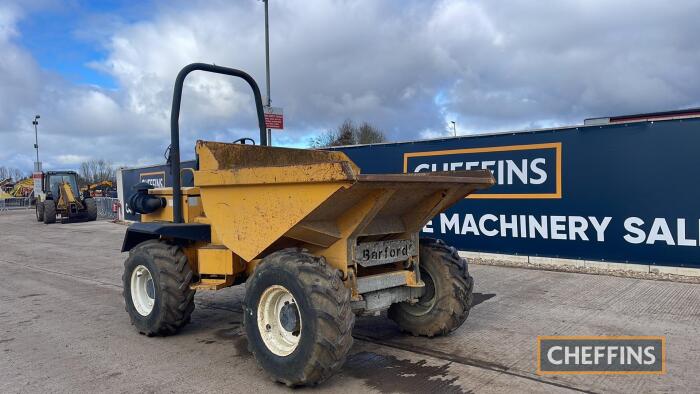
x=619, y=192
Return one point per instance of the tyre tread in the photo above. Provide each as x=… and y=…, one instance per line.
x=452, y=309
x=335, y=319
x=177, y=299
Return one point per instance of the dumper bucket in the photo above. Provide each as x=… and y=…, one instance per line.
x=257, y=197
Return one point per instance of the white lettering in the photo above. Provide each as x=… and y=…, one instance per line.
x=521, y=173
x=649, y=353
x=660, y=232
x=600, y=227
x=550, y=355
x=540, y=227
x=449, y=224
x=557, y=227
x=636, y=235
x=578, y=226
x=484, y=230
x=539, y=171
x=422, y=167
x=512, y=225
x=682, y=240
x=469, y=225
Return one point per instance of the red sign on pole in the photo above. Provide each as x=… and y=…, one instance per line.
x=274, y=119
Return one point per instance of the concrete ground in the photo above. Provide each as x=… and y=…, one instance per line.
x=63, y=328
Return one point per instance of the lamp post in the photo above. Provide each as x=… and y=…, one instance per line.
x=454, y=127
x=35, y=122
x=267, y=67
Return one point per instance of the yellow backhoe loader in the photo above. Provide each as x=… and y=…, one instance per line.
x=58, y=197
x=315, y=241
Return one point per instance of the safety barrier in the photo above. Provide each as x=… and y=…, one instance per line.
x=15, y=203
x=107, y=207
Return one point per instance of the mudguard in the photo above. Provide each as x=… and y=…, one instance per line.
x=140, y=232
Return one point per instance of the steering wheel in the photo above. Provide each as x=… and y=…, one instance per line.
x=243, y=140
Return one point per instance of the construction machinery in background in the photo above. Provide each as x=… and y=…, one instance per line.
x=59, y=197
x=315, y=241
x=21, y=188
x=99, y=189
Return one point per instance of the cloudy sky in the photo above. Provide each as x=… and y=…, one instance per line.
x=101, y=74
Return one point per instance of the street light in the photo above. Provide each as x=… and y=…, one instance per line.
x=35, y=122
x=267, y=68
x=454, y=127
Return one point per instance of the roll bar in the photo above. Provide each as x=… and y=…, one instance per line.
x=175, y=123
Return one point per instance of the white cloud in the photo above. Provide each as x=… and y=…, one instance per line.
x=408, y=68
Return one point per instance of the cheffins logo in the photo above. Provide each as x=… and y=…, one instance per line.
x=601, y=355
x=521, y=171
x=155, y=179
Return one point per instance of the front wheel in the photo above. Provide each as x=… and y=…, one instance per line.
x=157, y=291
x=91, y=208
x=49, y=211
x=39, y=211
x=447, y=298
x=297, y=317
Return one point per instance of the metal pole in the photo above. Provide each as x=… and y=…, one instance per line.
x=267, y=68
x=36, y=139
x=454, y=127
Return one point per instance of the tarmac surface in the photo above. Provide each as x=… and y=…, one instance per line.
x=63, y=328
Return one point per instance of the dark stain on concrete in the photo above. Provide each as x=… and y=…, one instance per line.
x=6, y=340
x=481, y=297
x=391, y=375
x=206, y=341
x=32, y=295
x=237, y=336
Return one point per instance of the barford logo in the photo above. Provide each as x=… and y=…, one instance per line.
x=521, y=171
x=601, y=355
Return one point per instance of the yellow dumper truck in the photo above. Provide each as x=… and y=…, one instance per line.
x=315, y=241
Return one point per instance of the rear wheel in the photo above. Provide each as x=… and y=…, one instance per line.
x=91, y=208
x=298, y=317
x=445, y=304
x=49, y=211
x=39, y=211
x=157, y=291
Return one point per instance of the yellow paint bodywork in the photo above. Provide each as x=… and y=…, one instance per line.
x=191, y=205
x=67, y=197
x=258, y=200
x=218, y=260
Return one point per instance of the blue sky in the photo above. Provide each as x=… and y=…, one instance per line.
x=67, y=37
x=101, y=73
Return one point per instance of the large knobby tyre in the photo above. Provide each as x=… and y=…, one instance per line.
x=91, y=208
x=157, y=291
x=445, y=304
x=39, y=211
x=49, y=211
x=298, y=318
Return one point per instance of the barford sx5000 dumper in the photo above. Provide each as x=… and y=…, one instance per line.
x=314, y=240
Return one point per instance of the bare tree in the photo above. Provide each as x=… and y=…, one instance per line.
x=94, y=171
x=11, y=173
x=349, y=134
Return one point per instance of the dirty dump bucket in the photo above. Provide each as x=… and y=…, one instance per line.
x=259, y=196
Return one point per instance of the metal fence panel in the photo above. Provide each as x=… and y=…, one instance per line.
x=105, y=207
x=15, y=203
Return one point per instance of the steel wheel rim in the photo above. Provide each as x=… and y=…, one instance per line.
x=280, y=340
x=427, y=301
x=142, y=290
